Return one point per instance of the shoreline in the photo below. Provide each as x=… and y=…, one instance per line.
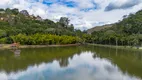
x=118, y=47
x=8, y=46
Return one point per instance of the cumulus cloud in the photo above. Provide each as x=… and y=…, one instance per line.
x=83, y=14
x=122, y=4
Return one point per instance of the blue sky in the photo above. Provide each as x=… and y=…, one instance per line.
x=66, y=3
x=83, y=14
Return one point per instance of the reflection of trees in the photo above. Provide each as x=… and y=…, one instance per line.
x=128, y=61
x=29, y=57
x=94, y=56
x=63, y=62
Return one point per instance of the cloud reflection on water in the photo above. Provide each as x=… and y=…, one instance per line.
x=80, y=67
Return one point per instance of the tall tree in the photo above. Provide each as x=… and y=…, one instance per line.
x=64, y=21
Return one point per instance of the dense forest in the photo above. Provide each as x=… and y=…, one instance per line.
x=125, y=32
x=19, y=26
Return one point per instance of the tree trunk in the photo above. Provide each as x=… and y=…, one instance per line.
x=109, y=41
x=116, y=42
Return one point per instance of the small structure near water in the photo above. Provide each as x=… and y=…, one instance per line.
x=15, y=45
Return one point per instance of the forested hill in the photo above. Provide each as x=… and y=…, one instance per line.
x=14, y=22
x=125, y=32
x=98, y=28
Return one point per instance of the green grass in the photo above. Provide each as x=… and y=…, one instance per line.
x=118, y=47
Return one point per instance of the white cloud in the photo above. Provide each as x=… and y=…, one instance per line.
x=4, y=2
x=81, y=19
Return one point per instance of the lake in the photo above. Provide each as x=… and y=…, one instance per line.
x=71, y=63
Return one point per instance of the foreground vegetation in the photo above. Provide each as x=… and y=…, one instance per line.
x=42, y=39
x=45, y=39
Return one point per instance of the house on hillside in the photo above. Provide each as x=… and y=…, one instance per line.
x=1, y=18
x=2, y=12
x=32, y=17
x=39, y=18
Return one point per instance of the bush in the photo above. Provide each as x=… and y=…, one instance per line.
x=44, y=39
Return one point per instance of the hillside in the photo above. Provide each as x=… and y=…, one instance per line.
x=19, y=26
x=14, y=22
x=126, y=32
x=98, y=28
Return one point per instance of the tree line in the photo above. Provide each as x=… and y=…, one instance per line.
x=127, y=32
x=41, y=39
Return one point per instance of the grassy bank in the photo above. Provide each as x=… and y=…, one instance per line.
x=118, y=47
x=8, y=46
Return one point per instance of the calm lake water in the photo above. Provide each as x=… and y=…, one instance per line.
x=71, y=63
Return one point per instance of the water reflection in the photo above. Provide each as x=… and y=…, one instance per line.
x=16, y=52
x=84, y=66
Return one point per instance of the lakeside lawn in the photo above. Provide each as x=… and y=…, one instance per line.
x=8, y=46
x=119, y=47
